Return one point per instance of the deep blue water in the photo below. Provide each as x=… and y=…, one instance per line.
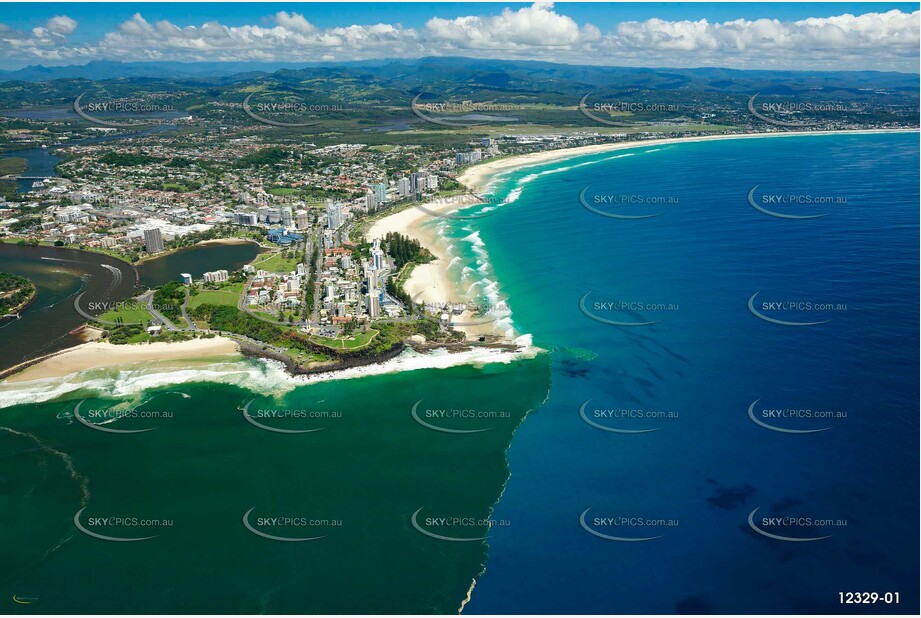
x=708, y=359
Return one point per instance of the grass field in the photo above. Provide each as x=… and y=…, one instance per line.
x=130, y=313
x=304, y=357
x=228, y=296
x=358, y=340
x=270, y=316
x=275, y=262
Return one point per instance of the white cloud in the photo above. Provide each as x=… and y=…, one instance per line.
x=892, y=30
x=534, y=26
x=47, y=43
x=886, y=41
x=294, y=22
x=292, y=38
x=61, y=24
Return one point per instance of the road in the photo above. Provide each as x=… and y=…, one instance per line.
x=185, y=314
x=147, y=299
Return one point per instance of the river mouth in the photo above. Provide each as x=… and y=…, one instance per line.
x=59, y=275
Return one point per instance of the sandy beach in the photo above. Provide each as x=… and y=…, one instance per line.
x=432, y=283
x=476, y=177
x=99, y=354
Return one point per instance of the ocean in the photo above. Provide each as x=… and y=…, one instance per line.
x=692, y=374
x=615, y=472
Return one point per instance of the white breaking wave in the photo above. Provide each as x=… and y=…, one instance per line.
x=261, y=376
x=475, y=239
x=556, y=170
x=513, y=195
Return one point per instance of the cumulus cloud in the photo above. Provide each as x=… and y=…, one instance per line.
x=61, y=24
x=535, y=26
x=45, y=43
x=292, y=38
x=294, y=22
x=541, y=31
x=871, y=40
x=892, y=30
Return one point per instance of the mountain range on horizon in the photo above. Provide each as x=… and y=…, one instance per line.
x=232, y=71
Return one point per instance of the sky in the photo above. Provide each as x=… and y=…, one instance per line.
x=783, y=35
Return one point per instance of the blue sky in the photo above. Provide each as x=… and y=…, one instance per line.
x=738, y=35
x=97, y=18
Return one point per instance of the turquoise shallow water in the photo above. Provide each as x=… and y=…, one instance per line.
x=693, y=480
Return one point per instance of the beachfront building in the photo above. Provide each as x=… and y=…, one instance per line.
x=404, y=187
x=466, y=158
x=380, y=193
x=372, y=303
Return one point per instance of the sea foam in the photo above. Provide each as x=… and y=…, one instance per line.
x=261, y=376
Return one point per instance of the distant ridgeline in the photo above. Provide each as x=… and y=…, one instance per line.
x=353, y=98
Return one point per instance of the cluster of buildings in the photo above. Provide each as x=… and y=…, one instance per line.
x=285, y=215
x=416, y=183
x=141, y=207
x=355, y=290
x=475, y=155
x=274, y=291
